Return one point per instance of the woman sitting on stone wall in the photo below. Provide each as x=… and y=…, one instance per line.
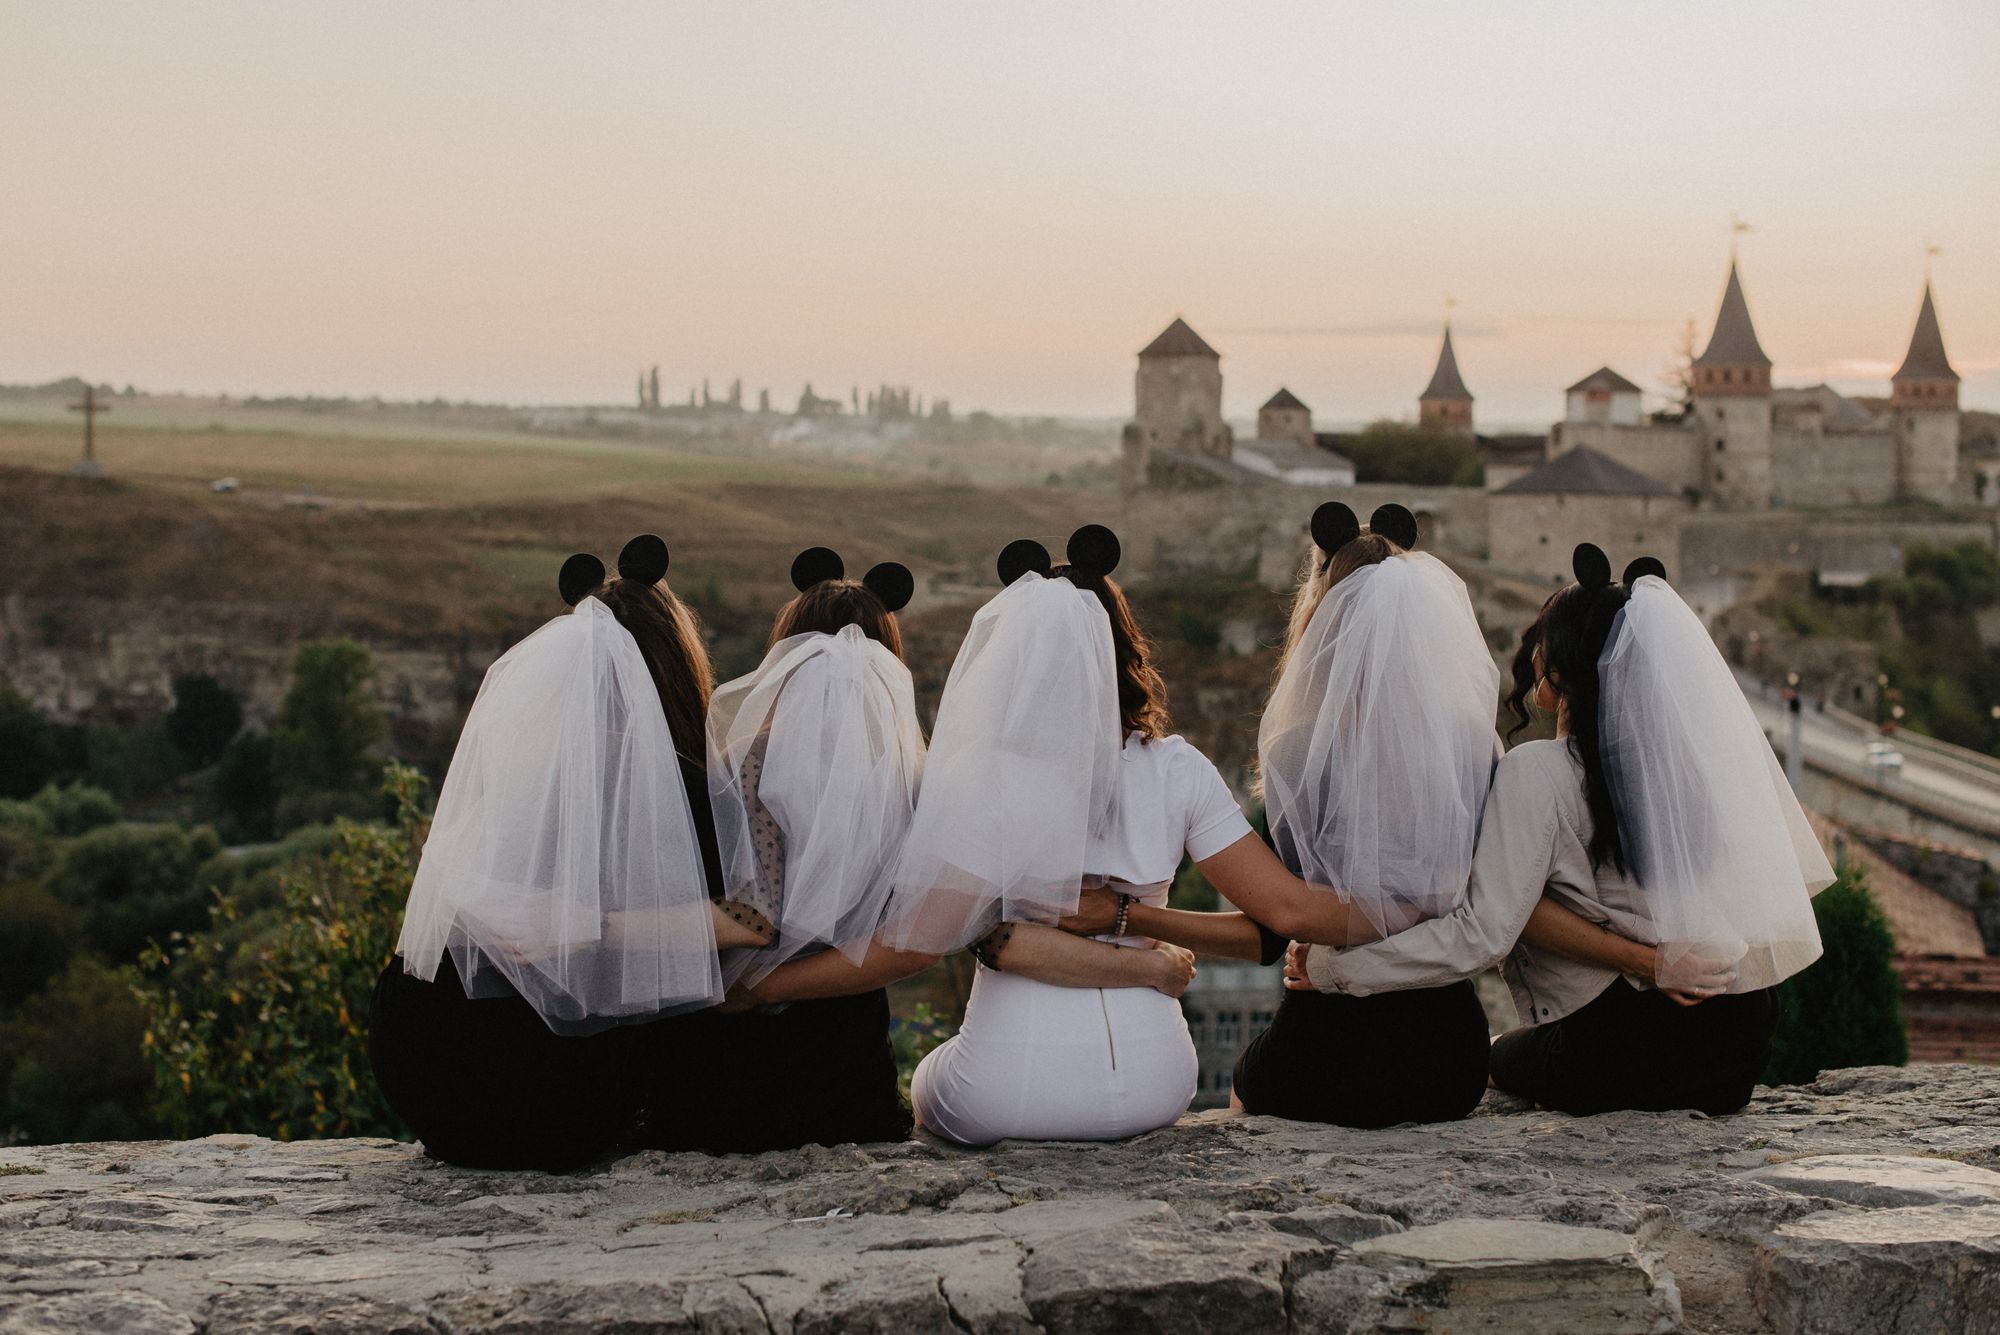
x=568, y=889
x=813, y=764
x=1659, y=812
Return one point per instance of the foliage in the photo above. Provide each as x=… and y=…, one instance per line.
x=329, y=726
x=1846, y=1009
x=27, y=841
x=28, y=753
x=132, y=763
x=1419, y=456
x=134, y=882
x=245, y=792
x=913, y=1038
x=268, y=1036
x=76, y=808
x=76, y=1070
x=41, y=935
x=205, y=718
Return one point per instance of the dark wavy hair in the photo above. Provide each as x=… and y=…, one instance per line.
x=1142, y=692
x=1570, y=634
x=669, y=638
x=833, y=603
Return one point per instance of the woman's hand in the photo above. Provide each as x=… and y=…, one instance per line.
x=1688, y=979
x=1295, y=968
x=741, y=997
x=1096, y=912
x=1175, y=967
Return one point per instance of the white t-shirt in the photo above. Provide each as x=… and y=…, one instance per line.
x=1170, y=800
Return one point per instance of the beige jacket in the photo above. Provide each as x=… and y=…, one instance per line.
x=1533, y=838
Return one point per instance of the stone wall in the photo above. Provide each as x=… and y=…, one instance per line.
x=1865, y=1202
x=1533, y=535
x=1668, y=453
x=1822, y=468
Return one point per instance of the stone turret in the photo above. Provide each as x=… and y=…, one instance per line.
x=1178, y=402
x=1446, y=402
x=1285, y=417
x=1732, y=405
x=1923, y=396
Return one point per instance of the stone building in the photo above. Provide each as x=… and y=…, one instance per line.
x=1284, y=417
x=1582, y=495
x=1177, y=416
x=1287, y=447
x=1446, y=402
x=1744, y=444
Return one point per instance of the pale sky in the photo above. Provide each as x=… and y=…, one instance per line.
x=999, y=202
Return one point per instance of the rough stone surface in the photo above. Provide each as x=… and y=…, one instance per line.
x=1864, y=1202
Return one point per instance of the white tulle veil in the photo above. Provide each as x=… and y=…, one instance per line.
x=1377, y=745
x=563, y=858
x=1021, y=771
x=1712, y=832
x=813, y=765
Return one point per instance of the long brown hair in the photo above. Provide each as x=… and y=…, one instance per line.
x=833, y=603
x=669, y=638
x=1142, y=692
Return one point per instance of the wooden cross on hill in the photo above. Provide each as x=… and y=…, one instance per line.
x=90, y=408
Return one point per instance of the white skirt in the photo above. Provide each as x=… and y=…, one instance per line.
x=1038, y=1062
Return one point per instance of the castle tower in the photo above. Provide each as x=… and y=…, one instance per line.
x=1284, y=417
x=1446, y=402
x=1732, y=405
x=1178, y=393
x=1923, y=396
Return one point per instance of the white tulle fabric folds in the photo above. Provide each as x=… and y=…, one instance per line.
x=1712, y=832
x=813, y=765
x=1377, y=746
x=563, y=859
x=1022, y=768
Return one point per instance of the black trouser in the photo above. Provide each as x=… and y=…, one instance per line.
x=813, y=1072
x=485, y=1084
x=1415, y=1056
x=1637, y=1049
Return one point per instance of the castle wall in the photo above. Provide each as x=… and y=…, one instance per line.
x=1815, y=468
x=1669, y=454
x=1735, y=448
x=1533, y=535
x=1927, y=449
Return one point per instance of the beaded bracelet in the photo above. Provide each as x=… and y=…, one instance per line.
x=1124, y=910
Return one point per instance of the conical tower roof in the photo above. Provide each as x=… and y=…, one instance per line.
x=1284, y=398
x=1925, y=360
x=1446, y=383
x=1734, y=342
x=1178, y=340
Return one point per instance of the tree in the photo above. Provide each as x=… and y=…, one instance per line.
x=205, y=718
x=270, y=1035
x=330, y=723
x=1414, y=455
x=76, y=808
x=28, y=754
x=41, y=935
x=78, y=1068
x=1846, y=1009
x=134, y=883
x=246, y=790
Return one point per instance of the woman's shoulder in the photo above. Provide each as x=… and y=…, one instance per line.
x=1546, y=762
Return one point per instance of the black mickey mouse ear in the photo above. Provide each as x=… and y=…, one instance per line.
x=893, y=583
x=1643, y=566
x=1396, y=524
x=815, y=565
x=1094, y=550
x=1020, y=556
x=1334, y=526
x=578, y=577
x=644, y=559
x=1590, y=565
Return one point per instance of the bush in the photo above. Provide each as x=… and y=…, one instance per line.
x=27, y=841
x=78, y=1069
x=134, y=883
x=245, y=791
x=913, y=1039
x=137, y=763
x=1418, y=456
x=76, y=808
x=270, y=1037
x=1847, y=1008
x=329, y=724
x=206, y=717
x=28, y=753
x=40, y=936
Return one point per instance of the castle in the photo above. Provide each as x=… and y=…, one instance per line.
x=1738, y=444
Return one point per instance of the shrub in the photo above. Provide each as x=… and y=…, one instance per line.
x=131, y=764
x=206, y=717
x=77, y=1069
x=245, y=791
x=27, y=841
x=28, y=752
x=41, y=934
x=76, y=808
x=1846, y=1009
x=270, y=1036
x=1424, y=456
x=330, y=723
x=134, y=883
x=912, y=1040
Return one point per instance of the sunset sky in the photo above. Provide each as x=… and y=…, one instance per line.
x=999, y=203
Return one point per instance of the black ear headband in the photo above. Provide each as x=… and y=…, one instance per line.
x=579, y=577
x=1590, y=565
x=1093, y=551
x=1396, y=524
x=1643, y=566
x=644, y=559
x=1333, y=527
x=890, y=581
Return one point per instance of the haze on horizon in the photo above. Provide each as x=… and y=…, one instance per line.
x=528, y=202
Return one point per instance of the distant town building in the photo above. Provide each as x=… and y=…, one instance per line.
x=1287, y=448
x=1446, y=403
x=1582, y=495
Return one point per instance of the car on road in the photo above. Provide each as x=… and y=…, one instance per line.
x=1882, y=756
